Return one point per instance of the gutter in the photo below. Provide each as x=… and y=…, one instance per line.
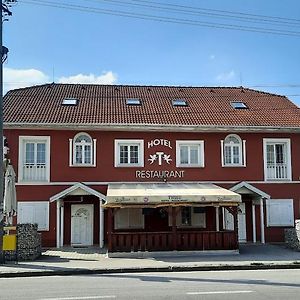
x=149, y=127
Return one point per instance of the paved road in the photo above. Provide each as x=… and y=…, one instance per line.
x=267, y=284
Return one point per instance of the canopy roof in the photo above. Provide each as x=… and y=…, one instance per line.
x=169, y=194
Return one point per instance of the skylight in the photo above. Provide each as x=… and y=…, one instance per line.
x=133, y=101
x=239, y=105
x=179, y=102
x=70, y=102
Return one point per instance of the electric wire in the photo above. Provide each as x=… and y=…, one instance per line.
x=162, y=19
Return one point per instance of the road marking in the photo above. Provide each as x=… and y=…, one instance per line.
x=82, y=298
x=218, y=292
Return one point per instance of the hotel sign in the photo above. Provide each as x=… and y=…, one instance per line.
x=159, y=158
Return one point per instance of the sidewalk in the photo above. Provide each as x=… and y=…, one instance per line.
x=72, y=261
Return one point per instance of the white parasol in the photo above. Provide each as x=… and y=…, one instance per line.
x=10, y=198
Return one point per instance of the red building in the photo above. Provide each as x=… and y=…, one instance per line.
x=154, y=167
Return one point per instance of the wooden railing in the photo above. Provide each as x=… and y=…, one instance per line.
x=163, y=241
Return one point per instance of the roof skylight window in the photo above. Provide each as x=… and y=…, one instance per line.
x=133, y=101
x=239, y=105
x=70, y=102
x=179, y=102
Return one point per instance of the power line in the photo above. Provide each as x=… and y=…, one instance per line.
x=217, y=10
x=199, y=12
x=163, y=19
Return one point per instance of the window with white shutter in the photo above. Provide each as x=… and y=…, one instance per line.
x=34, y=212
x=280, y=212
x=129, y=218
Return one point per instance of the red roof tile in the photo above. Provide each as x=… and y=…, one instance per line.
x=106, y=104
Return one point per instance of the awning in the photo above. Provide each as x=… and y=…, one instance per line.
x=169, y=194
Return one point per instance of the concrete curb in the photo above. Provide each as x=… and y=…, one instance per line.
x=252, y=266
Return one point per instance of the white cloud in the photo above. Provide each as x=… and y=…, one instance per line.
x=212, y=57
x=105, y=78
x=225, y=77
x=18, y=78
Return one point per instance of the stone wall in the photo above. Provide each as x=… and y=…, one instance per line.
x=292, y=236
x=28, y=243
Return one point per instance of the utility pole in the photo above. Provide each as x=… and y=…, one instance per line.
x=3, y=54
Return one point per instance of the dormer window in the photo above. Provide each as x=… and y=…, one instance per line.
x=239, y=105
x=133, y=101
x=82, y=150
x=70, y=102
x=179, y=102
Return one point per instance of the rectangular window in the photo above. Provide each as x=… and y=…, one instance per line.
x=189, y=153
x=34, y=212
x=277, y=159
x=280, y=212
x=129, y=218
x=129, y=153
x=34, y=158
x=190, y=217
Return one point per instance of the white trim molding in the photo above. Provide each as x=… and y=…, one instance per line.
x=34, y=166
x=188, y=143
x=242, y=152
x=78, y=186
x=281, y=171
x=129, y=143
x=82, y=144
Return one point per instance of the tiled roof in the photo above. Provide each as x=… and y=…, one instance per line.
x=106, y=104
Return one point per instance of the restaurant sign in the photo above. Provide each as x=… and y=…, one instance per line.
x=159, y=158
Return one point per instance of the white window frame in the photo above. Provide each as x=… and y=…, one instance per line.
x=32, y=203
x=200, y=145
x=269, y=202
x=22, y=141
x=288, y=157
x=242, y=154
x=139, y=143
x=129, y=225
x=72, y=152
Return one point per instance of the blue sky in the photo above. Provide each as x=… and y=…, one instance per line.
x=66, y=45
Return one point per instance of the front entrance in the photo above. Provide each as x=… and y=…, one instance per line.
x=82, y=224
x=228, y=222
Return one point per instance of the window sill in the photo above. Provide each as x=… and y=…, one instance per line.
x=233, y=166
x=278, y=180
x=190, y=166
x=82, y=166
x=291, y=226
x=129, y=166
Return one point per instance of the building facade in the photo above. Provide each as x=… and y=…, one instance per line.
x=154, y=168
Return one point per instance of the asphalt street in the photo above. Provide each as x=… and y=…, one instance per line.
x=266, y=284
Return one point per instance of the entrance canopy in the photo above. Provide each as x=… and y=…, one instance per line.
x=169, y=194
x=78, y=189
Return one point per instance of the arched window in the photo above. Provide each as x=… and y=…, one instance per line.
x=232, y=150
x=83, y=151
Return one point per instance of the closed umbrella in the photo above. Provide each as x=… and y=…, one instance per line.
x=10, y=198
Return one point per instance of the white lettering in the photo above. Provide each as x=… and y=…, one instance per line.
x=159, y=142
x=146, y=174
